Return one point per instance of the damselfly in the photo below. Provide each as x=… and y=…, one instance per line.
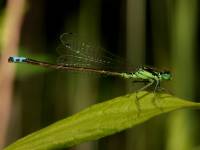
x=80, y=52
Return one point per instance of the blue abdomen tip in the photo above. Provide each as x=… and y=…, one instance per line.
x=16, y=59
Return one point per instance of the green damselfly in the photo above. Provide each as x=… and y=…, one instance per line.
x=76, y=56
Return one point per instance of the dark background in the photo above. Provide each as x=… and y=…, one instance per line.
x=162, y=34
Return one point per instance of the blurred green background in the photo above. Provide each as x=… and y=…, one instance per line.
x=163, y=34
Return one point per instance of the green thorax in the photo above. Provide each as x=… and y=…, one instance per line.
x=147, y=73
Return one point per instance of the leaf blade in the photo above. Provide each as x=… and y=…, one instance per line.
x=101, y=120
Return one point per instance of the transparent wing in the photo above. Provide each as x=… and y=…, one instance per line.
x=75, y=52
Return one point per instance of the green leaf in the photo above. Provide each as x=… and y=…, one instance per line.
x=101, y=120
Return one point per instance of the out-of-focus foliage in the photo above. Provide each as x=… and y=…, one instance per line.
x=162, y=34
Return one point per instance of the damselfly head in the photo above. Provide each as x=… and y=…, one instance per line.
x=166, y=75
